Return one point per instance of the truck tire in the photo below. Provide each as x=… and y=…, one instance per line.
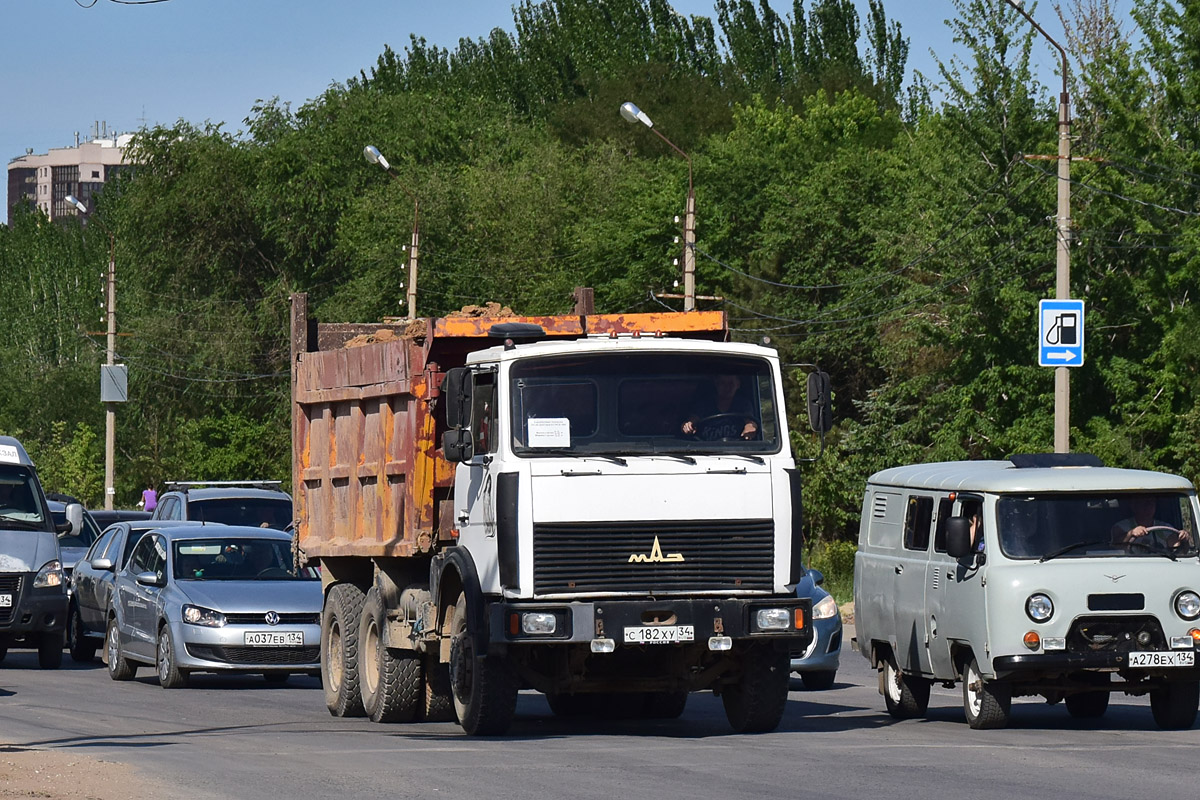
x=439, y=701
x=50, y=649
x=987, y=703
x=664, y=705
x=82, y=649
x=119, y=667
x=906, y=696
x=339, y=650
x=1174, y=704
x=485, y=690
x=755, y=704
x=570, y=705
x=389, y=679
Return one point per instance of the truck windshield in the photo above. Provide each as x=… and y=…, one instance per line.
x=1116, y=525
x=19, y=503
x=635, y=403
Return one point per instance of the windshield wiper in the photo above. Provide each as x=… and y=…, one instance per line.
x=1078, y=545
x=747, y=456
x=563, y=451
x=673, y=454
x=1153, y=548
x=23, y=524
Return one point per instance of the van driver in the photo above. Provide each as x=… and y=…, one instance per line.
x=1141, y=523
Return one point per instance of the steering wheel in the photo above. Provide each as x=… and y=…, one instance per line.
x=274, y=572
x=1158, y=543
x=732, y=416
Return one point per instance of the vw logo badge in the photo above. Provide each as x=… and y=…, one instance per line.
x=272, y=618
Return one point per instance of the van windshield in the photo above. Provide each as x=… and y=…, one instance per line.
x=1110, y=525
x=20, y=506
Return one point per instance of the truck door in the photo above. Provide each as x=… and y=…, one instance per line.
x=476, y=482
x=908, y=607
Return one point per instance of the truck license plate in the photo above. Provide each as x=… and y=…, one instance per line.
x=660, y=634
x=5, y=601
x=274, y=638
x=1180, y=658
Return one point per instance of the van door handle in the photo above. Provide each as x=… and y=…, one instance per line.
x=899, y=569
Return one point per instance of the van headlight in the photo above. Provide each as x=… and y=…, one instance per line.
x=1039, y=607
x=1187, y=605
x=51, y=574
x=826, y=609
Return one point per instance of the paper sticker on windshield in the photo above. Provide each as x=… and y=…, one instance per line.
x=8, y=454
x=549, y=431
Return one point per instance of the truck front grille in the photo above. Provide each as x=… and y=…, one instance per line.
x=653, y=557
x=11, y=585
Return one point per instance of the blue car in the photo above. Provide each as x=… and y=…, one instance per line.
x=817, y=666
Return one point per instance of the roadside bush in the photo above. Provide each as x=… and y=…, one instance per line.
x=836, y=561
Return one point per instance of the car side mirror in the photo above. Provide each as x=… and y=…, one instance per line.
x=150, y=579
x=457, y=445
x=103, y=564
x=818, y=577
x=958, y=537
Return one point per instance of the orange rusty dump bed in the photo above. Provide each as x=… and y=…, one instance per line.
x=368, y=476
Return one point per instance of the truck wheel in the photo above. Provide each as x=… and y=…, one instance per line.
x=119, y=667
x=1174, y=704
x=906, y=696
x=439, y=701
x=570, y=705
x=755, y=704
x=82, y=649
x=339, y=650
x=170, y=676
x=986, y=703
x=485, y=691
x=390, y=680
x=50, y=649
x=664, y=705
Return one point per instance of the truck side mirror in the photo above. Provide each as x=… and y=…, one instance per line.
x=958, y=537
x=820, y=413
x=456, y=388
x=457, y=445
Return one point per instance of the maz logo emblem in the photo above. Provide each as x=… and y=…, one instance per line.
x=272, y=618
x=656, y=556
x=1114, y=578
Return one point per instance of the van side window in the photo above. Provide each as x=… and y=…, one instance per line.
x=945, y=509
x=917, y=521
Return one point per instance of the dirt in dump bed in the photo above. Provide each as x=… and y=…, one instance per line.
x=485, y=310
x=413, y=329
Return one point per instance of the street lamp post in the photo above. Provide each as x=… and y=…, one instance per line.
x=1062, y=283
x=634, y=114
x=372, y=155
x=110, y=408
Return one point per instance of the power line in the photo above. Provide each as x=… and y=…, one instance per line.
x=1117, y=195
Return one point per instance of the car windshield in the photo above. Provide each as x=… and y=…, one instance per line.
x=643, y=402
x=20, y=506
x=1110, y=525
x=256, y=512
x=237, y=560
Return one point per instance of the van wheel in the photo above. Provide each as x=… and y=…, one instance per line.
x=339, y=650
x=1174, y=704
x=485, y=690
x=390, y=679
x=819, y=680
x=986, y=703
x=1090, y=705
x=756, y=703
x=906, y=696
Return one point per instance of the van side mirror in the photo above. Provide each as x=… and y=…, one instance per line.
x=958, y=537
x=820, y=413
x=456, y=389
x=74, y=521
x=457, y=445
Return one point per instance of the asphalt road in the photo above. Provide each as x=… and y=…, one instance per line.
x=237, y=737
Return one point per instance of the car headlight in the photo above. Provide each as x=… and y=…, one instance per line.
x=1039, y=607
x=199, y=615
x=826, y=609
x=1187, y=605
x=51, y=574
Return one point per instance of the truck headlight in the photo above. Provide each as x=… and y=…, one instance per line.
x=539, y=622
x=199, y=615
x=51, y=574
x=1039, y=607
x=826, y=609
x=774, y=619
x=1187, y=605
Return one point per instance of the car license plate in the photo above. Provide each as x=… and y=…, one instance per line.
x=5, y=601
x=274, y=638
x=660, y=634
x=1178, y=658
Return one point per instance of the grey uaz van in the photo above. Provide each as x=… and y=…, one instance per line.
x=33, y=593
x=1044, y=575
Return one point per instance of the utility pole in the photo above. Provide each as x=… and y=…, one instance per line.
x=373, y=156
x=1062, y=281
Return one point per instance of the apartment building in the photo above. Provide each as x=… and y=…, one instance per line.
x=46, y=180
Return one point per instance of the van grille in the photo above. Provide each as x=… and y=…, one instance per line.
x=10, y=584
x=717, y=555
x=1114, y=635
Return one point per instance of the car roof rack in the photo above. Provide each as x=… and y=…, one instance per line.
x=1043, y=460
x=185, y=485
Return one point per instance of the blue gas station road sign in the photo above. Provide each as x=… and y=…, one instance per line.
x=1060, y=333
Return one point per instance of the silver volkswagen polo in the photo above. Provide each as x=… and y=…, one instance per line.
x=203, y=599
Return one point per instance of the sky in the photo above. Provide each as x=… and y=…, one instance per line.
x=65, y=67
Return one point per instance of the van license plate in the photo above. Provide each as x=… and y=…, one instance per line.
x=274, y=638
x=5, y=601
x=660, y=634
x=1181, y=658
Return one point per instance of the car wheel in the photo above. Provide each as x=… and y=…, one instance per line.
x=339, y=650
x=439, y=701
x=119, y=667
x=3, y=653
x=906, y=696
x=485, y=690
x=1174, y=704
x=987, y=703
x=755, y=704
x=170, y=676
x=50, y=649
x=390, y=680
x=819, y=680
x=82, y=649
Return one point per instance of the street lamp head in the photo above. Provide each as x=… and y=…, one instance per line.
x=371, y=153
x=634, y=114
x=73, y=200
